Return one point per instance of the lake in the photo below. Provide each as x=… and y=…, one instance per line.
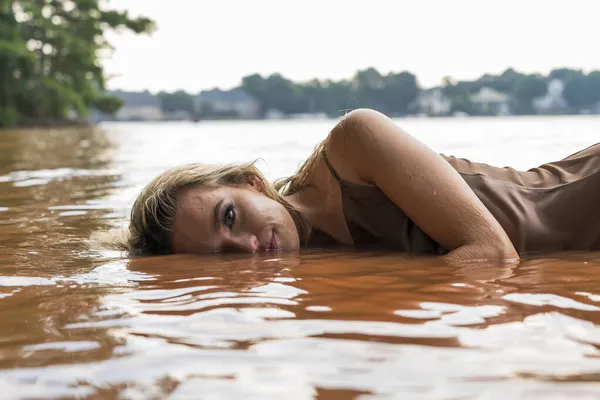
x=81, y=322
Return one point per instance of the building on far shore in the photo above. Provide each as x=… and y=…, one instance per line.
x=226, y=103
x=274, y=113
x=178, y=115
x=553, y=101
x=138, y=106
x=490, y=101
x=433, y=102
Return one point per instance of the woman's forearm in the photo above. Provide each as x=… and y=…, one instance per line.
x=482, y=252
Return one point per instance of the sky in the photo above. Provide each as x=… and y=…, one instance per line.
x=202, y=44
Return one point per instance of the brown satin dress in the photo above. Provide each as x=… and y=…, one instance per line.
x=553, y=207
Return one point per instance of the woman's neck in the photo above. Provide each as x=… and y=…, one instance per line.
x=309, y=203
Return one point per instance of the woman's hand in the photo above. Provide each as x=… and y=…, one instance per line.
x=433, y=195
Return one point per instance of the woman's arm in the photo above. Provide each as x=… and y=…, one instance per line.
x=431, y=193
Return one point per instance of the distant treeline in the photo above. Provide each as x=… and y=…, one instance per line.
x=398, y=94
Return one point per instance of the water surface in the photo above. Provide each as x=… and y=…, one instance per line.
x=78, y=322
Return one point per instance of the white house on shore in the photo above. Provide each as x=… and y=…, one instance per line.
x=553, y=100
x=433, y=102
x=138, y=106
x=234, y=102
x=491, y=101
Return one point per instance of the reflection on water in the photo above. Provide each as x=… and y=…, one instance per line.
x=78, y=322
x=51, y=183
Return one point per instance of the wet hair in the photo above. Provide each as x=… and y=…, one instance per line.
x=153, y=212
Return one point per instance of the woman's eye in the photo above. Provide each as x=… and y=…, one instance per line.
x=229, y=217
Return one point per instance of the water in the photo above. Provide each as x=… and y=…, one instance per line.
x=83, y=323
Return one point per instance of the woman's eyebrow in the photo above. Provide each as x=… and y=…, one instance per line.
x=217, y=215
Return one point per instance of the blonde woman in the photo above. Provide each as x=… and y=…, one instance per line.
x=371, y=184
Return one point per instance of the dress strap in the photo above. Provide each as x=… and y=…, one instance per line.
x=330, y=167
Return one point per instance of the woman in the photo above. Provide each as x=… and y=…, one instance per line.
x=369, y=183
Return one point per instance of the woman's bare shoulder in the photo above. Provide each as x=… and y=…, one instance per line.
x=343, y=146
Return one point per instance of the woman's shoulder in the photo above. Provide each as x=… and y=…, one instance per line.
x=357, y=140
x=341, y=153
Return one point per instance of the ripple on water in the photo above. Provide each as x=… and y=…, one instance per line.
x=45, y=176
x=114, y=273
x=453, y=314
x=541, y=299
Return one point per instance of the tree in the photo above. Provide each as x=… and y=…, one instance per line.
x=564, y=74
x=281, y=94
x=400, y=91
x=255, y=86
x=525, y=89
x=594, y=84
x=53, y=46
x=368, y=86
x=274, y=92
x=16, y=66
x=458, y=93
x=581, y=90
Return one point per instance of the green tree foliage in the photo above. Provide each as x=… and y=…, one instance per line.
x=582, y=91
x=274, y=91
x=16, y=66
x=392, y=93
x=458, y=93
x=49, y=58
x=525, y=89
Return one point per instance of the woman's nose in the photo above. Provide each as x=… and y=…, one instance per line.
x=244, y=242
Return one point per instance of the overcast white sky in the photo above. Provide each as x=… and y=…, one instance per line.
x=202, y=44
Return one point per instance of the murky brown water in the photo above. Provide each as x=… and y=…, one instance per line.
x=80, y=322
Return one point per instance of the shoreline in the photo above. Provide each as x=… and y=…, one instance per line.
x=51, y=123
x=47, y=123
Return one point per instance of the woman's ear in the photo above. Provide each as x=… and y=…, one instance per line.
x=255, y=183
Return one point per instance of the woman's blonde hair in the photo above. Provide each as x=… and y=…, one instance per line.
x=153, y=212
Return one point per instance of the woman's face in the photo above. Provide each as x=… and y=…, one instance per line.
x=231, y=218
